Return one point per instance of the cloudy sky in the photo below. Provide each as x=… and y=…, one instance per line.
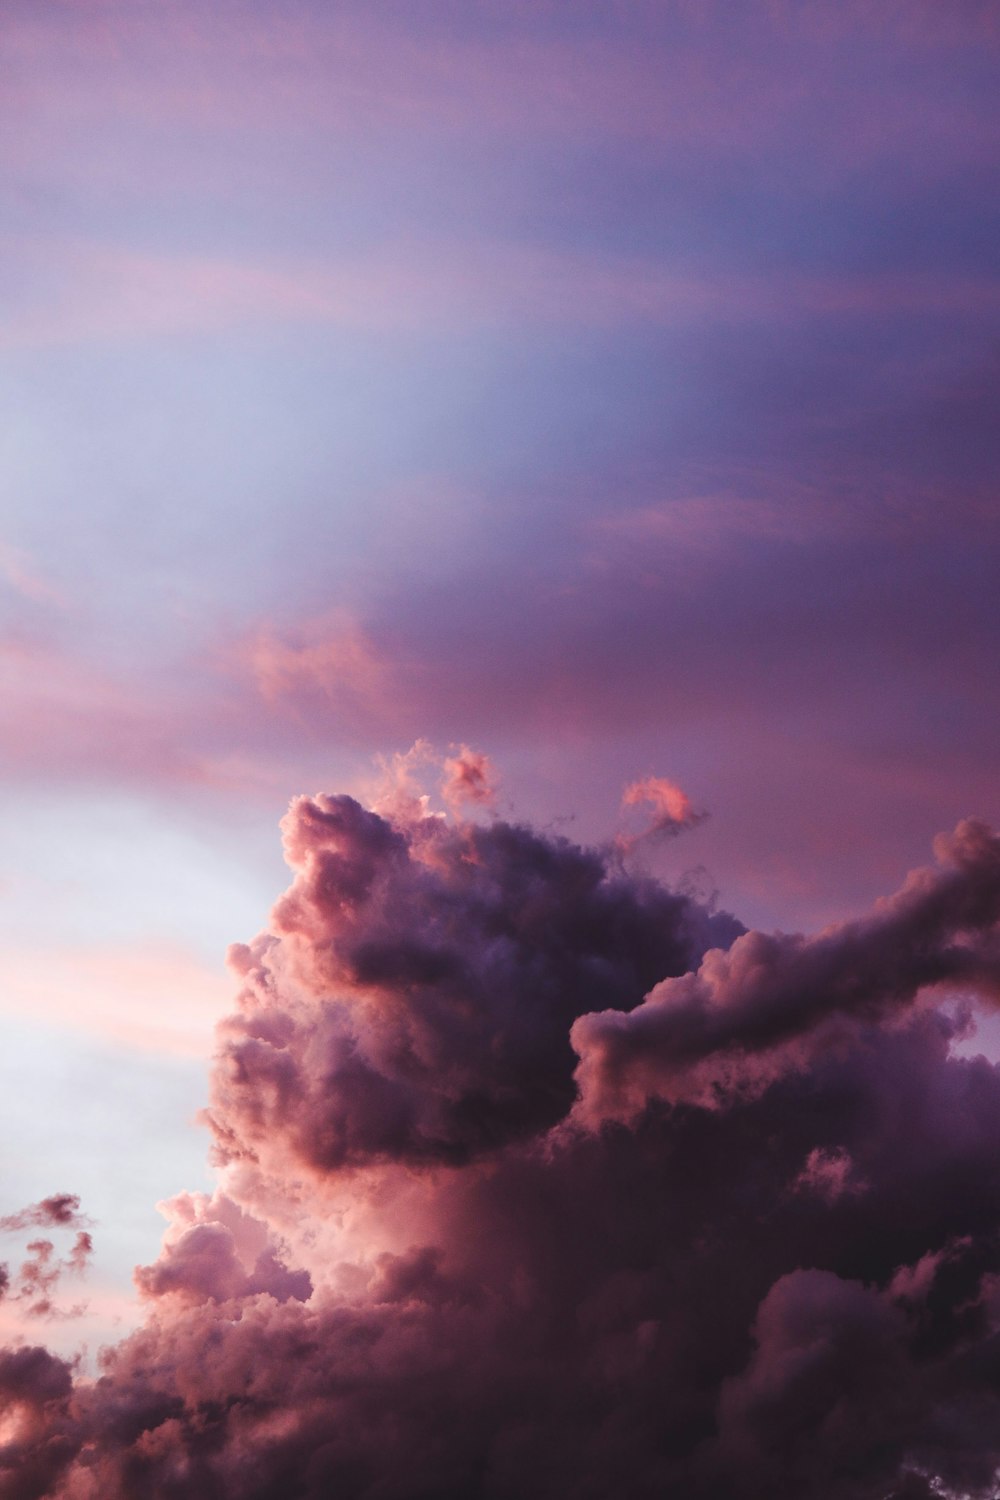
x=601, y=398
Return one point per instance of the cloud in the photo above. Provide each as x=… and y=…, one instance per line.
x=469, y=779
x=772, y=1000
x=334, y=661
x=61, y=1210
x=757, y=1254
x=36, y=1282
x=214, y=1252
x=829, y=1173
x=412, y=998
x=671, y=811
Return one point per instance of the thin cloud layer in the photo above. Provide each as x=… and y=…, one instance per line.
x=752, y=1249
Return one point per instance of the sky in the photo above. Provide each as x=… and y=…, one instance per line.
x=558, y=441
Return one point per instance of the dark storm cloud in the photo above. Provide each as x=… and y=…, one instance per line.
x=759, y=1008
x=436, y=1271
x=413, y=999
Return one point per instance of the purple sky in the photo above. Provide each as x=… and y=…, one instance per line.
x=618, y=390
x=611, y=388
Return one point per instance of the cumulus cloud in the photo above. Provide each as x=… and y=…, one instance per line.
x=751, y=1247
x=773, y=1000
x=413, y=996
x=214, y=1252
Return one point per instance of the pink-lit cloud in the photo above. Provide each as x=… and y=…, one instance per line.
x=421, y=1269
x=497, y=935
x=215, y=1252
x=669, y=811
x=470, y=779
x=333, y=661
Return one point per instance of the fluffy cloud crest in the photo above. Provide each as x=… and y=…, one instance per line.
x=413, y=997
x=740, y=1239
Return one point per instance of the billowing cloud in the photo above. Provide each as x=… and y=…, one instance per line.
x=214, y=1252
x=753, y=1248
x=772, y=1000
x=413, y=997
